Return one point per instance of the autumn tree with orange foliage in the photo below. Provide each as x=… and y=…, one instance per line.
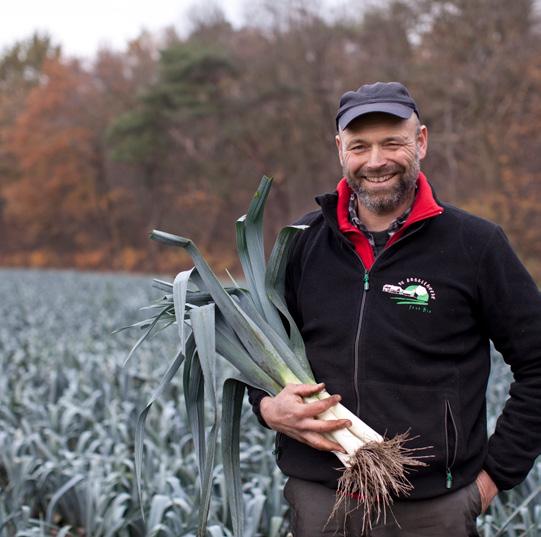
x=54, y=150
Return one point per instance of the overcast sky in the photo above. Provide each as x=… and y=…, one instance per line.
x=82, y=26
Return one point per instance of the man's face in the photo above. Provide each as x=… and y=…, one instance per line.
x=380, y=156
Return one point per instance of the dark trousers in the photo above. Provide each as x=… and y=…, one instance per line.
x=451, y=515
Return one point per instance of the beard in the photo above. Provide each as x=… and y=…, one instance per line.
x=386, y=200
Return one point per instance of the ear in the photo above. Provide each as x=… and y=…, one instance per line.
x=422, y=141
x=339, y=147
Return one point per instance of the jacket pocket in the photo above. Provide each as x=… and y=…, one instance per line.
x=277, y=452
x=451, y=443
x=427, y=413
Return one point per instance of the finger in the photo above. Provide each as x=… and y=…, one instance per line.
x=325, y=426
x=305, y=390
x=323, y=444
x=317, y=407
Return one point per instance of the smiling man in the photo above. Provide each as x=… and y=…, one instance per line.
x=380, y=156
x=397, y=296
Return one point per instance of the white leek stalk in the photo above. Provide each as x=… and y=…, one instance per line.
x=351, y=438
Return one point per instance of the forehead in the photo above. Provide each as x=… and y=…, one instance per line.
x=377, y=125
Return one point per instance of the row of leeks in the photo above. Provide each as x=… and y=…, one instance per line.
x=244, y=327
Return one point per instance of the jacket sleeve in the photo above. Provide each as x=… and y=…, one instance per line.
x=254, y=397
x=511, y=310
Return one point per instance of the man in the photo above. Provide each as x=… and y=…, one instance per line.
x=397, y=296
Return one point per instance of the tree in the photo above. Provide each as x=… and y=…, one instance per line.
x=478, y=63
x=21, y=69
x=171, y=134
x=53, y=148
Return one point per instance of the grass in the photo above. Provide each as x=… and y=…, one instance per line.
x=68, y=412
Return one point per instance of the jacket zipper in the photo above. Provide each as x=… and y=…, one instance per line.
x=357, y=337
x=366, y=288
x=449, y=461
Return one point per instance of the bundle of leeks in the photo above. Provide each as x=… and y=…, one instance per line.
x=244, y=327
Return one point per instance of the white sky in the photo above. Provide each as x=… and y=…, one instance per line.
x=81, y=26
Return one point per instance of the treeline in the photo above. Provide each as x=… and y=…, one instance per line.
x=175, y=132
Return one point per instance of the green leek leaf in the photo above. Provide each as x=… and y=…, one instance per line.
x=275, y=285
x=195, y=409
x=254, y=244
x=144, y=336
x=140, y=426
x=244, y=258
x=204, y=334
x=253, y=338
x=61, y=492
x=231, y=349
x=232, y=396
x=180, y=287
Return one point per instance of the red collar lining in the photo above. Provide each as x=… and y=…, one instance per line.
x=424, y=206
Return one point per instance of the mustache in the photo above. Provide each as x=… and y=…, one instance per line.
x=389, y=170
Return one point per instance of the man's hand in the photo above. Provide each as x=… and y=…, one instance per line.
x=487, y=489
x=289, y=414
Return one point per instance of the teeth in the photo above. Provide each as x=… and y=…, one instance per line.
x=378, y=178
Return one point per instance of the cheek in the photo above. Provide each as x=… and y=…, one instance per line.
x=350, y=161
x=408, y=155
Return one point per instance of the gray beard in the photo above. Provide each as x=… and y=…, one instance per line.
x=386, y=202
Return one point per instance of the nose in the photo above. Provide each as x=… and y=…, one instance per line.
x=376, y=158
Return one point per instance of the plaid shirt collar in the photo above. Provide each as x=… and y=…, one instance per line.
x=356, y=221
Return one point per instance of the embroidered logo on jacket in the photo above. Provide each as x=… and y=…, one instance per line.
x=413, y=292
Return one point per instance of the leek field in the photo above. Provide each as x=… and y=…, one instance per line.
x=68, y=411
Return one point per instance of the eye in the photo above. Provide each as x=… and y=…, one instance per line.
x=358, y=148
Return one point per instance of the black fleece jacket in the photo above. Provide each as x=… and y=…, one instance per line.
x=405, y=339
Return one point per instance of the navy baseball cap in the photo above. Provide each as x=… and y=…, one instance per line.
x=387, y=97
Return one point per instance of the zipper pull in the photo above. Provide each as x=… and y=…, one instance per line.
x=449, y=479
x=366, y=284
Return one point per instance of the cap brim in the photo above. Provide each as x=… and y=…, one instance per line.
x=394, y=109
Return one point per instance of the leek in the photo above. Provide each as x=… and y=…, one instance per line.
x=245, y=328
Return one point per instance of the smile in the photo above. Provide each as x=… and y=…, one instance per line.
x=378, y=178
